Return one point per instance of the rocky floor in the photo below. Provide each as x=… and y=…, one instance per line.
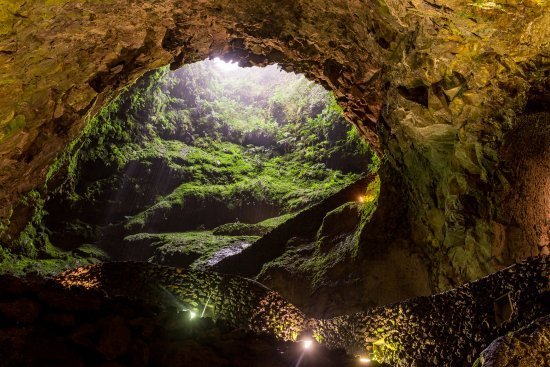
x=42, y=324
x=108, y=316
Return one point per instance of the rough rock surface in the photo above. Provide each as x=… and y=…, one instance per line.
x=436, y=87
x=44, y=324
x=241, y=302
x=448, y=329
x=249, y=262
x=528, y=346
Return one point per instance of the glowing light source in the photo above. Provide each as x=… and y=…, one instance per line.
x=192, y=315
x=364, y=360
x=225, y=66
x=308, y=343
x=360, y=199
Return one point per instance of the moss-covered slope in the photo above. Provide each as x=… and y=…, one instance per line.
x=193, y=150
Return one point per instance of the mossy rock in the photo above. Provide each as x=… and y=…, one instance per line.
x=195, y=249
x=341, y=220
x=52, y=261
x=241, y=229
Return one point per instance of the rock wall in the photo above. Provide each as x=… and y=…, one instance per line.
x=448, y=329
x=44, y=324
x=239, y=301
x=525, y=347
x=434, y=87
x=526, y=164
x=249, y=262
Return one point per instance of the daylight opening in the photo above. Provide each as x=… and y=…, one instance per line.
x=192, y=166
x=217, y=167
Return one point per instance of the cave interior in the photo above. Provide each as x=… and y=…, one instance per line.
x=274, y=183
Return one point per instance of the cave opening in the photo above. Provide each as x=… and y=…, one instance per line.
x=454, y=96
x=213, y=167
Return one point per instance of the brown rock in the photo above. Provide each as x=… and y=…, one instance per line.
x=60, y=319
x=12, y=285
x=114, y=338
x=23, y=310
x=526, y=347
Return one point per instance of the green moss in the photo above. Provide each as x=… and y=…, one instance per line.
x=256, y=229
x=52, y=261
x=312, y=261
x=198, y=248
x=215, y=142
x=16, y=124
x=33, y=237
x=276, y=221
x=340, y=220
x=5, y=223
x=241, y=229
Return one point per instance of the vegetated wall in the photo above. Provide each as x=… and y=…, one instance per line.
x=434, y=87
x=447, y=329
x=199, y=147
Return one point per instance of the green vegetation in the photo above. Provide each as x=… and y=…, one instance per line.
x=197, y=249
x=336, y=245
x=255, y=229
x=52, y=261
x=199, y=153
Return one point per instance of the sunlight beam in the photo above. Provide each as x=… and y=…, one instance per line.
x=225, y=66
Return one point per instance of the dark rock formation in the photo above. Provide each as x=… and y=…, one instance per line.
x=525, y=347
x=435, y=87
x=241, y=302
x=448, y=329
x=249, y=262
x=44, y=324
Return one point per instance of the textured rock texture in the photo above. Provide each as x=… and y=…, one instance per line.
x=525, y=347
x=241, y=302
x=249, y=262
x=447, y=329
x=434, y=86
x=44, y=324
